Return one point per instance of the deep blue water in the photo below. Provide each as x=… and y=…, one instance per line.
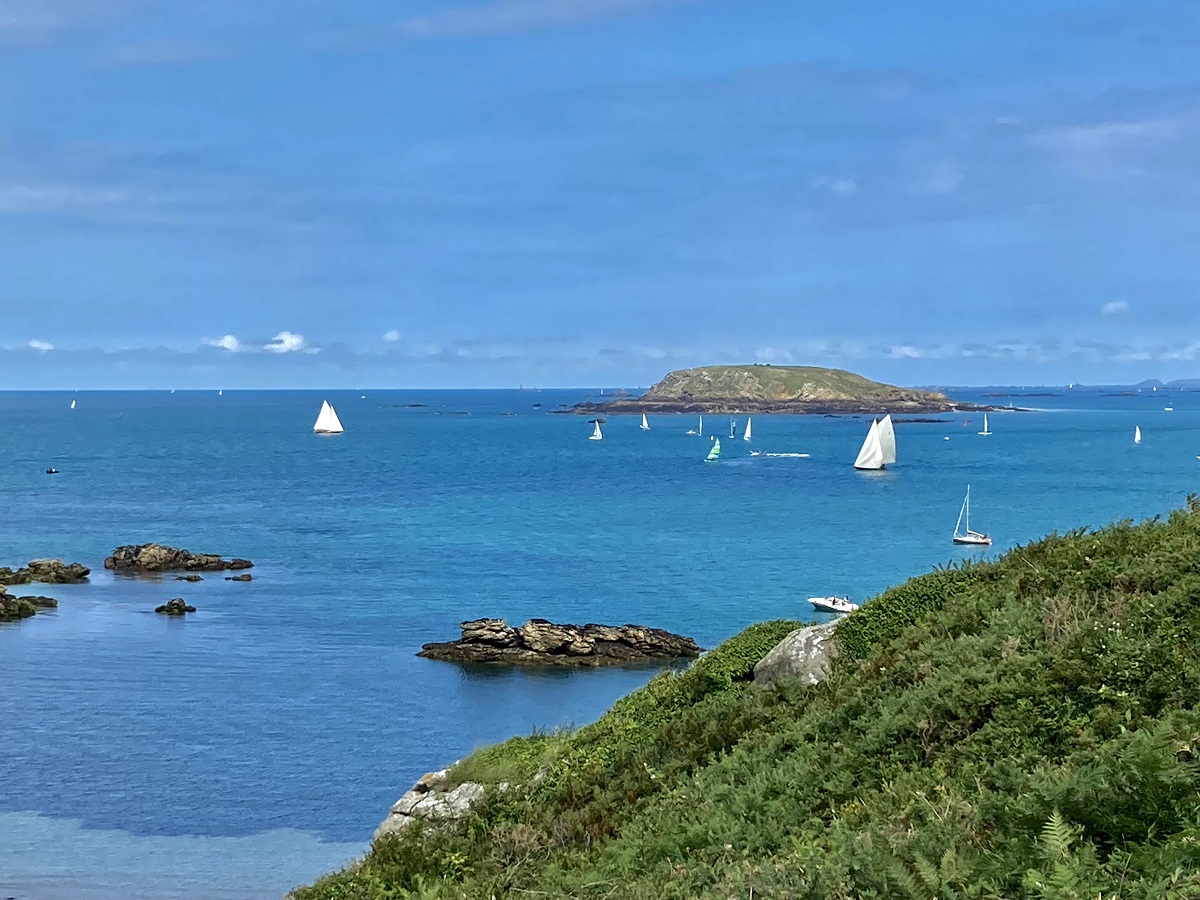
x=261, y=741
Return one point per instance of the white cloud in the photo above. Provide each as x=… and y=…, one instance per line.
x=514, y=16
x=391, y=336
x=905, y=351
x=226, y=342
x=1114, y=308
x=843, y=187
x=286, y=342
x=41, y=345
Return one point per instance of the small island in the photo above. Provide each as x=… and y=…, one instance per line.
x=542, y=643
x=134, y=558
x=766, y=389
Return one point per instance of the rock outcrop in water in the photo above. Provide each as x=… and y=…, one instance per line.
x=542, y=643
x=46, y=571
x=176, y=607
x=158, y=558
x=22, y=607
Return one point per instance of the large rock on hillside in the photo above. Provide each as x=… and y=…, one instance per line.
x=431, y=799
x=542, y=643
x=46, y=571
x=159, y=558
x=804, y=654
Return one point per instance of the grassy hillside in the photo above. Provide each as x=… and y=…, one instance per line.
x=1025, y=728
x=776, y=384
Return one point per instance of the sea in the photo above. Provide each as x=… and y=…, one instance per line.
x=259, y=742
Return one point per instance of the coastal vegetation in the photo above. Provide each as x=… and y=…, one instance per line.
x=1019, y=728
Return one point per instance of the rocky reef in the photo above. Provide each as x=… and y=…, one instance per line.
x=542, y=643
x=176, y=607
x=135, y=558
x=45, y=571
x=22, y=607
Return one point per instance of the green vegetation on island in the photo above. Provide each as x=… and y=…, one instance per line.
x=1021, y=728
x=774, y=389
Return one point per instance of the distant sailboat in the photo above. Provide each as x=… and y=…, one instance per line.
x=701, y=431
x=715, y=453
x=746, y=436
x=1137, y=434
x=72, y=404
x=221, y=393
x=887, y=440
x=645, y=424
x=967, y=536
x=985, y=426
x=732, y=428
x=871, y=454
x=327, y=421
x=597, y=435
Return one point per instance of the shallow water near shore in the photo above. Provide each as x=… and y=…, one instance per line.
x=259, y=742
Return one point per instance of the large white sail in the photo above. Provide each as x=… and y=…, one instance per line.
x=597, y=434
x=985, y=425
x=871, y=454
x=701, y=431
x=645, y=424
x=746, y=436
x=73, y=405
x=1137, y=434
x=327, y=421
x=887, y=440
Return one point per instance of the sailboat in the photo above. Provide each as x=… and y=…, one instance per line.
x=887, y=440
x=746, y=436
x=701, y=431
x=327, y=421
x=871, y=454
x=645, y=424
x=985, y=426
x=715, y=453
x=72, y=404
x=221, y=393
x=597, y=435
x=732, y=428
x=1137, y=434
x=968, y=536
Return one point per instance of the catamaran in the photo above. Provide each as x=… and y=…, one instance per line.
x=967, y=536
x=833, y=604
x=645, y=424
x=596, y=435
x=746, y=436
x=1137, y=434
x=327, y=420
x=715, y=453
x=985, y=431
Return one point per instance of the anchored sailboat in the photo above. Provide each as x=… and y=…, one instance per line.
x=645, y=424
x=985, y=427
x=328, y=421
x=597, y=435
x=715, y=453
x=1137, y=434
x=967, y=536
x=746, y=436
x=871, y=454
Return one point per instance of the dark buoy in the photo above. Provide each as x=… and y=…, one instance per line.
x=52, y=471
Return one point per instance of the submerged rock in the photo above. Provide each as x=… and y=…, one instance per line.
x=804, y=654
x=192, y=578
x=46, y=571
x=159, y=558
x=542, y=643
x=174, y=607
x=245, y=576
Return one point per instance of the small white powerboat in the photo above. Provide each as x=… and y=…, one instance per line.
x=833, y=604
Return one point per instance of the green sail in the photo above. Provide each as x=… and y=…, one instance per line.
x=715, y=453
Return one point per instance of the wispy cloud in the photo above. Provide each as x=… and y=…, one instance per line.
x=1115, y=308
x=286, y=342
x=391, y=336
x=163, y=53
x=226, y=342
x=35, y=19
x=514, y=16
x=43, y=346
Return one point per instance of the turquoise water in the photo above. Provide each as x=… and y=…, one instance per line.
x=259, y=742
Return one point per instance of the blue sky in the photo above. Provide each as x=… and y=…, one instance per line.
x=325, y=193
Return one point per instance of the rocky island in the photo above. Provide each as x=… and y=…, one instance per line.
x=766, y=389
x=542, y=643
x=12, y=608
x=45, y=571
x=135, y=558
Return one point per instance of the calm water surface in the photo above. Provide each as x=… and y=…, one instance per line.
x=259, y=742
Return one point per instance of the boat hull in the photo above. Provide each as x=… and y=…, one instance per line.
x=972, y=541
x=832, y=604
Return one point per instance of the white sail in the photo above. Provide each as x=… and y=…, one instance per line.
x=732, y=428
x=1137, y=434
x=871, y=454
x=221, y=392
x=72, y=404
x=962, y=528
x=645, y=424
x=985, y=425
x=327, y=421
x=701, y=431
x=746, y=436
x=597, y=434
x=887, y=440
